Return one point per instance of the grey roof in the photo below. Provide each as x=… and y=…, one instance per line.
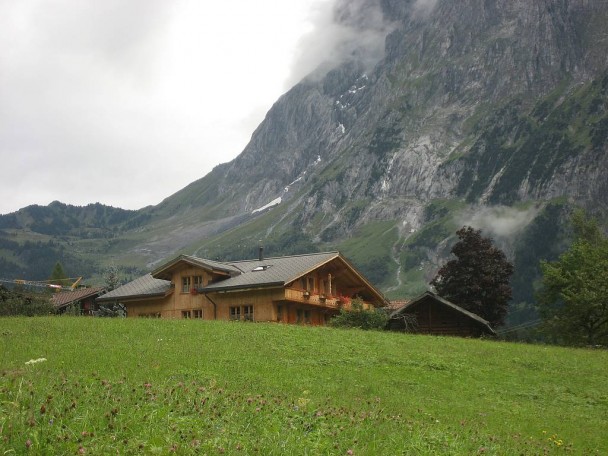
x=429, y=294
x=145, y=286
x=200, y=262
x=274, y=271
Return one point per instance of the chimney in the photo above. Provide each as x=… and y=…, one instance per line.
x=261, y=252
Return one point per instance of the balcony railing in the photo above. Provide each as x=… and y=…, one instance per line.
x=321, y=300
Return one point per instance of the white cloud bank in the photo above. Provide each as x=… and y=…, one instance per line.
x=125, y=103
x=499, y=221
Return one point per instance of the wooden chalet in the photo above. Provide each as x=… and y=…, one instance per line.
x=83, y=298
x=306, y=289
x=431, y=314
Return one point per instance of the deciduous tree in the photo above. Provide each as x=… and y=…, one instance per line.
x=478, y=278
x=573, y=300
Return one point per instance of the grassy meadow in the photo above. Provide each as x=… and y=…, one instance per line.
x=72, y=385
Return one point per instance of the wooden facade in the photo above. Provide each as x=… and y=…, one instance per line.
x=431, y=314
x=305, y=289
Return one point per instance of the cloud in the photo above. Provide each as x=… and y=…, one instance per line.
x=499, y=221
x=124, y=103
x=340, y=31
x=422, y=8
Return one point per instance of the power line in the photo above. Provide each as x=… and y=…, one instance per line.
x=525, y=325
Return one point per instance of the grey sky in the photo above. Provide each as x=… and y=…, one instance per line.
x=126, y=102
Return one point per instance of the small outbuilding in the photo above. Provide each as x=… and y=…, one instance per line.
x=82, y=298
x=432, y=314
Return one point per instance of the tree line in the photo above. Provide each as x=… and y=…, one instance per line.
x=571, y=299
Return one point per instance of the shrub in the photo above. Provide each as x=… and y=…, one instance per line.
x=358, y=317
x=16, y=303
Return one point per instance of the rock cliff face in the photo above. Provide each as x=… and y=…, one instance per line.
x=469, y=108
x=431, y=114
x=475, y=99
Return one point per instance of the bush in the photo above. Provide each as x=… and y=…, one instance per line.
x=358, y=317
x=14, y=303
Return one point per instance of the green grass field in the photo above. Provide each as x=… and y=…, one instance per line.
x=115, y=386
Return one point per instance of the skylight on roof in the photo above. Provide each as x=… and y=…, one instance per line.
x=260, y=268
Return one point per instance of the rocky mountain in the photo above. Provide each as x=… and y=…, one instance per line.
x=430, y=115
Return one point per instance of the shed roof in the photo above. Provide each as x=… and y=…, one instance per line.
x=65, y=298
x=430, y=295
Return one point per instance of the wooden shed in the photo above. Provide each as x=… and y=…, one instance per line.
x=83, y=298
x=431, y=314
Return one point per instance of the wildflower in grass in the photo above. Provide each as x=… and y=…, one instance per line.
x=28, y=444
x=553, y=439
x=303, y=401
x=35, y=361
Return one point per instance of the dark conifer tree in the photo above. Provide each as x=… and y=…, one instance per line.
x=478, y=278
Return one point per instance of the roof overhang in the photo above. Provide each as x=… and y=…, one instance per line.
x=164, y=271
x=140, y=297
x=375, y=292
x=242, y=288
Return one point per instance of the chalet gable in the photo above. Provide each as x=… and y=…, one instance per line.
x=214, y=268
x=325, y=269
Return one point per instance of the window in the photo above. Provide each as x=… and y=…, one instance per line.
x=311, y=284
x=245, y=311
x=198, y=281
x=235, y=313
x=248, y=313
x=197, y=313
x=185, y=284
x=280, y=312
x=186, y=314
x=303, y=316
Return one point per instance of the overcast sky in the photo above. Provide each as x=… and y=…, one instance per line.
x=126, y=102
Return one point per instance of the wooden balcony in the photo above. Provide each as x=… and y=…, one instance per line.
x=319, y=300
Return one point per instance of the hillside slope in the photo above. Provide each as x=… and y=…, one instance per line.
x=283, y=389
